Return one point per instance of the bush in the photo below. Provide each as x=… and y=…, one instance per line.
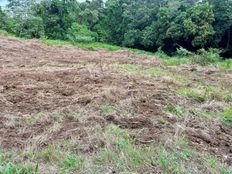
x=80, y=33
x=205, y=57
x=160, y=53
x=4, y=33
x=31, y=27
x=182, y=52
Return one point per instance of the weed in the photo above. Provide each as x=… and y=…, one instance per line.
x=176, y=110
x=175, y=61
x=194, y=94
x=49, y=154
x=139, y=69
x=2, y=158
x=50, y=42
x=177, y=157
x=205, y=57
x=227, y=116
x=10, y=168
x=225, y=64
x=206, y=93
x=142, y=52
x=121, y=153
x=4, y=33
x=108, y=109
x=160, y=53
x=172, y=159
x=60, y=116
x=29, y=155
x=72, y=163
x=182, y=52
x=37, y=118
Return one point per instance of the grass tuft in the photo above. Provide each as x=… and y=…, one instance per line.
x=72, y=163
x=206, y=93
x=108, y=109
x=175, y=61
x=228, y=116
x=176, y=110
x=10, y=168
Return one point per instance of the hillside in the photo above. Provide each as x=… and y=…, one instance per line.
x=70, y=110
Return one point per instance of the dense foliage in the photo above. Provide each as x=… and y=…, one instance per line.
x=143, y=24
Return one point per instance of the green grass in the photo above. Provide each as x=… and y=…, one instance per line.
x=10, y=168
x=175, y=61
x=123, y=156
x=108, y=109
x=4, y=33
x=142, y=52
x=225, y=64
x=192, y=93
x=225, y=116
x=72, y=163
x=206, y=93
x=90, y=46
x=121, y=153
x=176, y=110
x=153, y=71
x=172, y=160
x=49, y=154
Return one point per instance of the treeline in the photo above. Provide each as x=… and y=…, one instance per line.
x=143, y=24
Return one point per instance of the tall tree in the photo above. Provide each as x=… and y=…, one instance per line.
x=20, y=8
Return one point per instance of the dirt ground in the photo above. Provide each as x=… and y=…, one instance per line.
x=40, y=83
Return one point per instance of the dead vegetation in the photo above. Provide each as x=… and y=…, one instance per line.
x=111, y=112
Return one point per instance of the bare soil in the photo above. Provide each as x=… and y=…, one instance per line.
x=43, y=87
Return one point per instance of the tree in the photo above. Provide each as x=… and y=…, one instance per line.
x=30, y=28
x=2, y=19
x=6, y=23
x=57, y=16
x=222, y=24
x=20, y=8
x=80, y=33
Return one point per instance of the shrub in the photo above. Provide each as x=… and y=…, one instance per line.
x=205, y=57
x=182, y=52
x=31, y=27
x=4, y=33
x=80, y=33
x=160, y=53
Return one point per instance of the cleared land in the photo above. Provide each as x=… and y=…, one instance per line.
x=69, y=110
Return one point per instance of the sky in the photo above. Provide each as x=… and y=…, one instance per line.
x=3, y=2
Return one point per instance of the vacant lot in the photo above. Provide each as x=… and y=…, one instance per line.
x=69, y=110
